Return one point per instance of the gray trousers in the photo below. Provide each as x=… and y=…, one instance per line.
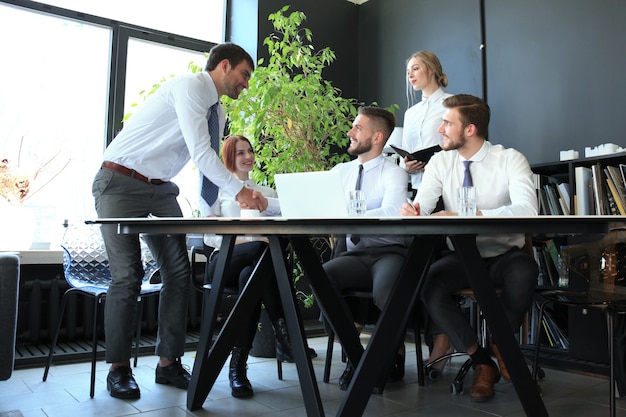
x=514, y=271
x=373, y=269
x=117, y=195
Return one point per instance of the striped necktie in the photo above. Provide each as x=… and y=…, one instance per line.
x=209, y=190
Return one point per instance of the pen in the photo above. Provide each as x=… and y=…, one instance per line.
x=408, y=200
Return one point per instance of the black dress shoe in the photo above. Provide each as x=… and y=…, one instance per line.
x=312, y=353
x=121, y=384
x=173, y=374
x=346, y=377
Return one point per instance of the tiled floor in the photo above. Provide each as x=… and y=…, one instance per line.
x=66, y=393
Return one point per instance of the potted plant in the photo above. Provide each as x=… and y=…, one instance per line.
x=296, y=120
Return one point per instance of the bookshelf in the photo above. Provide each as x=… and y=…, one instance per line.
x=565, y=171
x=570, y=337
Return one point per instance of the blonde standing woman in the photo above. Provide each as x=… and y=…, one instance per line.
x=422, y=119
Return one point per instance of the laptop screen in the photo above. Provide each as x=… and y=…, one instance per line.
x=317, y=194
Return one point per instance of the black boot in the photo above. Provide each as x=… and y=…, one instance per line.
x=346, y=377
x=239, y=384
x=284, y=353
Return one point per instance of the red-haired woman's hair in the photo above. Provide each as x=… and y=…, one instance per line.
x=229, y=151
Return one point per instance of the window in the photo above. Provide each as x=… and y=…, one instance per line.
x=59, y=104
x=148, y=64
x=53, y=102
x=198, y=19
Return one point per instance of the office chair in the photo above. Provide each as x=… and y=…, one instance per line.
x=602, y=265
x=86, y=270
x=468, y=300
x=478, y=322
x=367, y=295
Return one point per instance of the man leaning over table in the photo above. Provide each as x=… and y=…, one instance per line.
x=504, y=187
x=371, y=262
x=177, y=123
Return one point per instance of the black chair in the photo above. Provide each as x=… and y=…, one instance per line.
x=205, y=285
x=86, y=268
x=337, y=247
x=9, y=296
x=367, y=295
x=602, y=265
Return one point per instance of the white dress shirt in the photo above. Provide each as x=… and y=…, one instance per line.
x=504, y=187
x=171, y=128
x=384, y=185
x=421, y=122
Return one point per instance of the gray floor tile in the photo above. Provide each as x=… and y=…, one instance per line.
x=565, y=394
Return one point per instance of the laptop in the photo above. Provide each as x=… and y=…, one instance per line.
x=317, y=194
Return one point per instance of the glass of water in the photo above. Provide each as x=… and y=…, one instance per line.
x=466, y=201
x=358, y=205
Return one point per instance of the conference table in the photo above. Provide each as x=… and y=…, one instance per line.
x=422, y=234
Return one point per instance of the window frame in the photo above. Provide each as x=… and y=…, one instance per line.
x=121, y=34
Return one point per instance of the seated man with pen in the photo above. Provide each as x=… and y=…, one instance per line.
x=371, y=262
x=503, y=185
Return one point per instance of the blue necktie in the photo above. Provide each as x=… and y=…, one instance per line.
x=209, y=190
x=467, y=179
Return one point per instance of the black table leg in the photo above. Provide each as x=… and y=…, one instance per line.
x=297, y=336
x=527, y=391
x=370, y=366
x=331, y=304
x=210, y=359
x=389, y=331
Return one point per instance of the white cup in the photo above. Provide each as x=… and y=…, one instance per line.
x=249, y=213
x=466, y=201
x=358, y=205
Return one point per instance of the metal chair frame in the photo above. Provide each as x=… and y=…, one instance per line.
x=88, y=274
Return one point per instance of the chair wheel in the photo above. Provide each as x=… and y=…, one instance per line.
x=456, y=388
x=432, y=373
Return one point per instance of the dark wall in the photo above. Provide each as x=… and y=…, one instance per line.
x=554, y=70
x=333, y=24
x=392, y=30
x=556, y=74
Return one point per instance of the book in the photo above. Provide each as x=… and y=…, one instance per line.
x=563, y=189
x=551, y=271
x=599, y=194
x=614, y=173
x=422, y=155
x=553, y=199
x=543, y=202
x=582, y=176
x=616, y=198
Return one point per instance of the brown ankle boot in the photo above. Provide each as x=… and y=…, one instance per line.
x=485, y=377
